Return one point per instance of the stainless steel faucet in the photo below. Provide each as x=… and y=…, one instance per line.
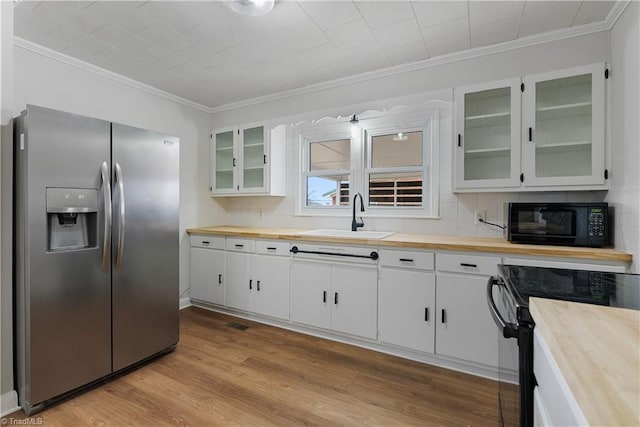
x=355, y=224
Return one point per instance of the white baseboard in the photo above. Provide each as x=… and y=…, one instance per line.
x=184, y=303
x=9, y=403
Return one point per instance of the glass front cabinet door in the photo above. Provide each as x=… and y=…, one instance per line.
x=239, y=160
x=563, y=131
x=487, y=139
x=254, y=158
x=224, y=160
x=248, y=160
x=540, y=132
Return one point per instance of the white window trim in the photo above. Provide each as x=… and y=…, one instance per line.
x=425, y=119
x=316, y=132
x=426, y=122
x=306, y=173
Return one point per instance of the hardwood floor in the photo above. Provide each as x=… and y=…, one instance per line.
x=265, y=376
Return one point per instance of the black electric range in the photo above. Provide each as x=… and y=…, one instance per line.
x=508, y=297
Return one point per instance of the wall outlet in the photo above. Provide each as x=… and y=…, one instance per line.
x=480, y=215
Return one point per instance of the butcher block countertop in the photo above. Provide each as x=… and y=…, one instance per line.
x=597, y=349
x=423, y=241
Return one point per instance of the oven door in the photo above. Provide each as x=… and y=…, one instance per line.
x=503, y=310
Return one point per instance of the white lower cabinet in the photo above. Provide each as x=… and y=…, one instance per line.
x=554, y=403
x=407, y=299
x=239, y=282
x=540, y=411
x=310, y=293
x=270, y=275
x=407, y=308
x=433, y=303
x=207, y=269
x=464, y=327
x=335, y=296
x=355, y=300
x=258, y=283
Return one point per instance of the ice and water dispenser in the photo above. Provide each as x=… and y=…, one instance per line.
x=72, y=218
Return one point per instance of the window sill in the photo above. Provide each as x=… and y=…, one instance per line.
x=403, y=215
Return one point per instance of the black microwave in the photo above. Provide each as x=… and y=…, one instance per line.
x=567, y=224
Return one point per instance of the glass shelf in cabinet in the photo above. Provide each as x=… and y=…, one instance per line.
x=487, y=152
x=564, y=146
x=487, y=120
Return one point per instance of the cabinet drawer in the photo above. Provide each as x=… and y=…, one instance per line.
x=407, y=259
x=270, y=247
x=475, y=264
x=207, y=242
x=241, y=245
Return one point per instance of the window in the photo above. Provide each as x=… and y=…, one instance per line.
x=328, y=172
x=395, y=170
x=388, y=161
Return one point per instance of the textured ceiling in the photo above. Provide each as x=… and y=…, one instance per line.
x=203, y=52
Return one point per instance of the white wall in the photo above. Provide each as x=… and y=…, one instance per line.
x=625, y=174
x=7, y=398
x=457, y=211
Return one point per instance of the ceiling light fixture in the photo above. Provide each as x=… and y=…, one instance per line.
x=354, y=126
x=250, y=7
x=400, y=137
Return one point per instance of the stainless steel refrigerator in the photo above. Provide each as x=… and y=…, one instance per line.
x=96, y=250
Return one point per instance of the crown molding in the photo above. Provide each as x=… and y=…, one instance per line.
x=533, y=40
x=616, y=12
x=85, y=66
x=614, y=15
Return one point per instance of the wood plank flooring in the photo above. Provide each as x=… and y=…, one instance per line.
x=266, y=376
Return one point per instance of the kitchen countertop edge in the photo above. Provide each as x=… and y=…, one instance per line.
x=423, y=241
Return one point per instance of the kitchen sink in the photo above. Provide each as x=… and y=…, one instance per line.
x=347, y=234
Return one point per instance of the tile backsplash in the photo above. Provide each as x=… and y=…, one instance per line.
x=456, y=213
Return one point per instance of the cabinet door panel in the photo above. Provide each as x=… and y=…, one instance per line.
x=223, y=161
x=468, y=331
x=355, y=309
x=271, y=277
x=407, y=308
x=239, y=295
x=487, y=140
x=207, y=275
x=564, y=130
x=310, y=282
x=253, y=146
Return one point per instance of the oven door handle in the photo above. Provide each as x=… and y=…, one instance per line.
x=508, y=330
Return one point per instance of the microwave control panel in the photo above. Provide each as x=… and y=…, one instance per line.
x=596, y=222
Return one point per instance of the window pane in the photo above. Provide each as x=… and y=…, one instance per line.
x=395, y=189
x=328, y=190
x=330, y=155
x=396, y=150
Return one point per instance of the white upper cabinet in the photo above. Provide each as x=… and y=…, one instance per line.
x=541, y=132
x=248, y=160
x=488, y=135
x=564, y=127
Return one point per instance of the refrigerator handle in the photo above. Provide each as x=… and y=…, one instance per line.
x=120, y=249
x=106, y=193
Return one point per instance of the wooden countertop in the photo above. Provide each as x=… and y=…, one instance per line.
x=598, y=351
x=423, y=241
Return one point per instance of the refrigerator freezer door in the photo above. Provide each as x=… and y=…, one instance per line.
x=63, y=298
x=145, y=280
